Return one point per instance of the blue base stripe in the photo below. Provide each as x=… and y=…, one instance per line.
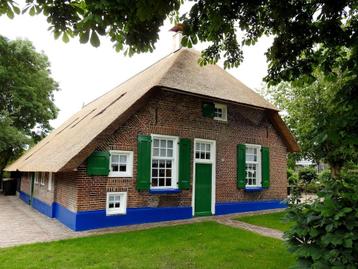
x=238, y=207
x=87, y=220
x=39, y=205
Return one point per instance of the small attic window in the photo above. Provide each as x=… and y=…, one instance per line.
x=220, y=112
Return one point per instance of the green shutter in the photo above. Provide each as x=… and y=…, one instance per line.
x=241, y=166
x=208, y=109
x=143, y=162
x=265, y=160
x=184, y=163
x=98, y=164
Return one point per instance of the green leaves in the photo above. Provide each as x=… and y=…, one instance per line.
x=26, y=97
x=325, y=234
x=95, y=40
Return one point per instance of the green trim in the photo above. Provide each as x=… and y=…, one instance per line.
x=98, y=163
x=203, y=188
x=265, y=168
x=184, y=163
x=144, y=162
x=241, y=166
x=208, y=109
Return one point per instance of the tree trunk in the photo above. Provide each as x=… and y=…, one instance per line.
x=335, y=170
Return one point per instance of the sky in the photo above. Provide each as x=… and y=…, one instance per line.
x=84, y=72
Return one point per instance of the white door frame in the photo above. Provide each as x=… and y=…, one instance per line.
x=213, y=173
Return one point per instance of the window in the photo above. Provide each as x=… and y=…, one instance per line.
x=121, y=163
x=50, y=179
x=253, y=165
x=42, y=178
x=37, y=175
x=164, y=162
x=202, y=151
x=220, y=112
x=116, y=203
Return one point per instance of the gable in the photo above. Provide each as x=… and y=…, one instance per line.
x=179, y=71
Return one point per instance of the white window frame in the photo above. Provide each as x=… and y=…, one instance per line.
x=36, y=181
x=122, y=210
x=223, y=107
x=259, y=165
x=175, y=163
x=50, y=180
x=129, y=170
x=42, y=178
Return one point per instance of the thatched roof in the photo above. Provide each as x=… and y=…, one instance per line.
x=178, y=71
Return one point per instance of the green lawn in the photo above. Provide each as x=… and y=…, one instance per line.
x=271, y=220
x=200, y=245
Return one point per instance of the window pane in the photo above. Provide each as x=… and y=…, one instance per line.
x=161, y=172
x=154, y=173
x=163, y=143
x=207, y=147
x=111, y=198
x=115, y=167
x=110, y=205
x=123, y=158
x=117, y=205
x=163, y=153
x=155, y=152
x=156, y=143
x=168, y=182
x=168, y=172
x=122, y=168
x=202, y=155
x=154, y=182
x=155, y=163
x=207, y=156
x=117, y=198
x=197, y=155
x=161, y=182
x=161, y=163
x=170, y=144
x=169, y=164
x=202, y=146
x=115, y=158
x=169, y=153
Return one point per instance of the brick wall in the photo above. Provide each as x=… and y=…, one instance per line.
x=40, y=191
x=170, y=113
x=66, y=189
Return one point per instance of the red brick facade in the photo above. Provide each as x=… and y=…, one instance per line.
x=175, y=114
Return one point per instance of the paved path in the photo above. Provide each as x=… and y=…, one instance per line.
x=21, y=224
x=252, y=228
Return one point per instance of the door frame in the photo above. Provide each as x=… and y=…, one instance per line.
x=213, y=173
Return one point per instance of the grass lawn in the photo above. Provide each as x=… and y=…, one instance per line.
x=271, y=220
x=199, y=245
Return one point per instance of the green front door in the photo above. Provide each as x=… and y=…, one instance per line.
x=203, y=177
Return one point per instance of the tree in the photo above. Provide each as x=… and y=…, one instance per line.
x=298, y=26
x=325, y=127
x=26, y=98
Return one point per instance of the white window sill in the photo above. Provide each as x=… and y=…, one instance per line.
x=119, y=175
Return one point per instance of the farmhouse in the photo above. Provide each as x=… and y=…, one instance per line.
x=175, y=141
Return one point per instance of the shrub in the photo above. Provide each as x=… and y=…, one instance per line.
x=307, y=174
x=325, y=232
x=292, y=176
x=324, y=175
